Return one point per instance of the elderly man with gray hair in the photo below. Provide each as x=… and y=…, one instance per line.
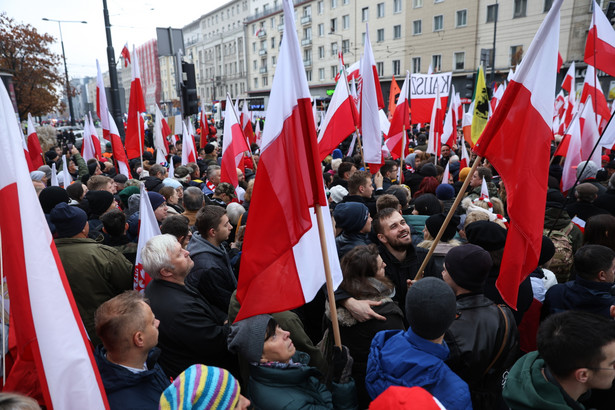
x=191, y=329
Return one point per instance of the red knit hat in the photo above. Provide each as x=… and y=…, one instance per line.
x=406, y=398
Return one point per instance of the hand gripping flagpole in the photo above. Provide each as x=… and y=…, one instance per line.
x=449, y=216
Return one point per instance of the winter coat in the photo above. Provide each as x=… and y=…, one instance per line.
x=399, y=271
x=525, y=296
x=584, y=210
x=274, y=388
x=128, y=390
x=399, y=358
x=348, y=241
x=491, y=188
x=559, y=224
x=435, y=266
x=527, y=389
x=212, y=274
x=606, y=201
x=579, y=294
x=152, y=183
x=370, y=203
x=191, y=330
x=474, y=339
x=95, y=273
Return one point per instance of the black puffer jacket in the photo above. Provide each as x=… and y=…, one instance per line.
x=399, y=272
x=152, y=183
x=474, y=340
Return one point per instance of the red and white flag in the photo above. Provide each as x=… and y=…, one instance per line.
x=87, y=145
x=497, y=96
x=520, y=133
x=204, y=128
x=95, y=139
x=188, y=148
x=371, y=102
x=119, y=154
x=436, y=125
x=589, y=133
x=600, y=44
x=568, y=83
x=572, y=149
x=446, y=175
x=464, y=161
x=26, y=153
x=101, y=103
x=246, y=123
x=161, y=144
x=148, y=228
x=53, y=340
x=484, y=191
x=34, y=145
x=234, y=145
x=135, y=134
x=286, y=261
x=423, y=93
x=449, y=131
x=126, y=55
x=340, y=121
x=353, y=71
x=258, y=133
x=591, y=86
x=466, y=124
x=400, y=123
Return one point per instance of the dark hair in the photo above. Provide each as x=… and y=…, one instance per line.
x=328, y=178
x=400, y=193
x=386, y=201
x=208, y=217
x=176, y=225
x=166, y=192
x=572, y=340
x=485, y=172
x=427, y=186
x=357, y=180
x=343, y=168
x=157, y=169
x=387, y=167
x=599, y=230
x=193, y=198
x=382, y=214
x=114, y=222
x=75, y=191
x=358, y=265
x=590, y=260
x=272, y=326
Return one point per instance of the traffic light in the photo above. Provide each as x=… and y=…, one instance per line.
x=188, y=89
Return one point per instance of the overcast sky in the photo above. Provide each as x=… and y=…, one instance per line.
x=133, y=22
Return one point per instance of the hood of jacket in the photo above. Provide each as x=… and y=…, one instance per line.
x=293, y=376
x=199, y=245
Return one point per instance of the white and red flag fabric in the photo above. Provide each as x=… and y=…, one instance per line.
x=26, y=153
x=119, y=154
x=497, y=96
x=436, y=125
x=400, y=123
x=126, y=55
x=34, y=145
x=54, y=175
x=449, y=131
x=572, y=150
x=49, y=332
x=286, y=261
x=589, y=134
x=600, y=44
x=204, y=124
x=246, y=123
x=161, y=144
x=135, y=134
x=234, y=145
x=591, y=86
x=87, y=145
x=464, y=161
x=423, y=89
x=95, y=139
x=446, y=175
x=520, y=133
x=258, y=133
x=568, y=83
x=188, y=148
x=148, y=228
x=353, y=71
x=101, y=102
x=466, y=124
x=340, y=121
x=484, y=190
x=67, y=178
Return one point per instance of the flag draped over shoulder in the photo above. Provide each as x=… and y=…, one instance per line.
x=48, y=329
x=233, y=145
x=135, y=134
x=282, y=255
x=517, y=142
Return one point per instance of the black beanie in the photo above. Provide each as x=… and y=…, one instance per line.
x=68, y=220
x=430, y=307
x=468, y=266
x=51, y=196
x=546, y=251
x=98, y=202
x=488, y=235
x=92, y=167
x=351, y=216
x=435, y=222
x=428, y=204
x=428, y=170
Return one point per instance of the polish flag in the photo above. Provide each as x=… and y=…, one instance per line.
x=148, y=228
x=87, y=145
x=434, y=144
x=287, y=261
x=600, y=45
x=497, y=96
x=234, y=145
x=246, y=123
x=520, y=133
x=34, y=145
x=95, y=139
x=50, y=341
x=340, y=121
x=101, y=103
x=449, y=131
x=119, y=154
x=126, y=55
x=188, y=148
x=591, y=86
x=464, y=161
x=484, y=191
x=135, y=134
x=54, y=175
x=568, y=83
x=400, y=122
x=258, y=133
x=571, y=109
x=160, y=141
x=573, y=151
x=560, y=61
x=26, y=153
x=353, y=71
x=371, y=102
x=204, y=128
x=446, y=175
x=589, y=133
x=466, y=124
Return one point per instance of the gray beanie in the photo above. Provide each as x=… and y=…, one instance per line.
x=247, y=337
x=590, y=170
x=430, y=307
x=46, y=169
x=37, y=175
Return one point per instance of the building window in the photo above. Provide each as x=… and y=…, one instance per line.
x=396, y=6
x=345, y=46
x=417, y=27
x=254, y=64
x=321, y=30
x=462, y=18
x=321, y=52
x=308, y=75
x=397, y=32
x=321, y=7
x=272, y=43
x=346, y=22
x=273, y=61
x=436, y=63
x=333, y=4
x=492, y=13
x=321, y=74
x=333, y=25
x=547, y=6
x=265, y=82
x=520, y=8
x=417, y=3
x=380, y=35
x=380, y=68
x=516, y=54
x=334, y=49
x=255, y=82
x=380, y=10
x=346, y=2
x=396, y=67
x=254, y=47
x=459, y=60
x=307, y=33
x=438, y=23
x=364, y=13
x=363, y=38
x=333, y=71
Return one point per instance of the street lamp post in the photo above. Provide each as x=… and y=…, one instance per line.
x=70, y=99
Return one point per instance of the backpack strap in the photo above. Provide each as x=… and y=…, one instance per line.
x=506, y=330
x=569, y=228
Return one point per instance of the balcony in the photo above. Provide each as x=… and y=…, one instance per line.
x=306, y=19
x=262, y=52
x=307, y=63
x=263, y=70
x=306, y=42
x=261, y=33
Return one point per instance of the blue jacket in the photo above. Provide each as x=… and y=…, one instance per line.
x=399, y=358
x=579, y=294
x=128, y=390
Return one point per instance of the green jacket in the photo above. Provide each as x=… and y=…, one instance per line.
x=95, y=273
x=81, y=165
x=526, y=388
x=297, y=388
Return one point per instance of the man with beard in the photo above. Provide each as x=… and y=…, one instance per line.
x=396, y=250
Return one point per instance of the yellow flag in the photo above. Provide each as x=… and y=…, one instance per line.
x=481, y=106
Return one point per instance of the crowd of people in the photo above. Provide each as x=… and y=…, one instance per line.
x=448, y=338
